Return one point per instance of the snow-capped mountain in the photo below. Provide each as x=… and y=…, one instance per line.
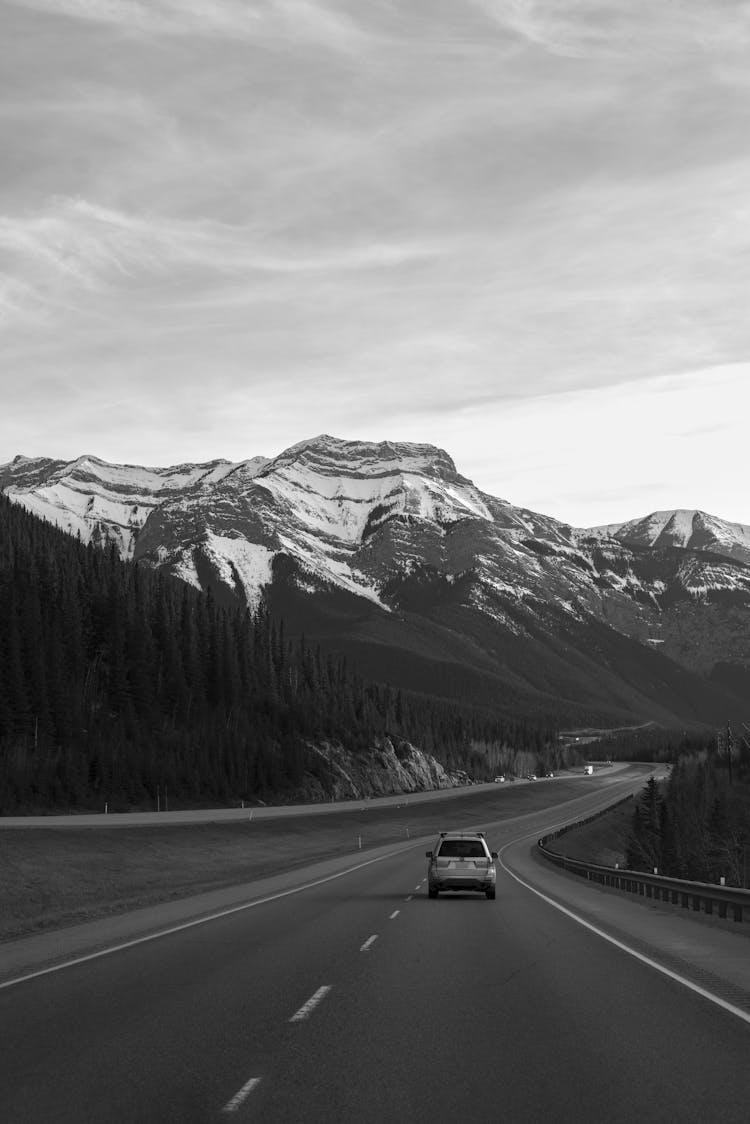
x=103, y=502
x=691, y=530
x=385, y=551
x=354, y=515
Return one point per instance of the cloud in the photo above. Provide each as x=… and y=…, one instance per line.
x=256, y=20
x=590, y=456
x=424, y=218
x=78, y=245
x=609, y=28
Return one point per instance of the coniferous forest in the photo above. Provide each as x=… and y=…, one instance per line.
x=118, y=683
x=696, y=825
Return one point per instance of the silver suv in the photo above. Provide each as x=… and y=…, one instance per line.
x=461, y=860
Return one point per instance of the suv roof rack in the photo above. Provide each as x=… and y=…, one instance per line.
x=460, y=832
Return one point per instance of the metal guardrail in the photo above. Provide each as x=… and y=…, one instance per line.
x=676, y=891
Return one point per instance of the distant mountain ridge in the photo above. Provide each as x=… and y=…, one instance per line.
x=691, y=530
x=385, y=551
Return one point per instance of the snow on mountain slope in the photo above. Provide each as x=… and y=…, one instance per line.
x=685, y=528
x=336, y=486
x=99, y=501
x=396, y=526
x=320, y=503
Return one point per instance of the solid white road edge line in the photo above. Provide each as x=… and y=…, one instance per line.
x=199, y=920
x=740, y=1014
x=307, y=1008
x=369, y=943
x=238, y=1098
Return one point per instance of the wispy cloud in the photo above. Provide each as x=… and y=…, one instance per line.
x=79, y=245
x=602, y=28
x=425, y=217
x=616, y=452
x=280, y=20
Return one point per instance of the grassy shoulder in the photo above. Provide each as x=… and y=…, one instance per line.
x=55, y=877
x=50, y=878
x=604, y=841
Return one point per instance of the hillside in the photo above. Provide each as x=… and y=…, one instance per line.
x=121, y=684
x=383, y=553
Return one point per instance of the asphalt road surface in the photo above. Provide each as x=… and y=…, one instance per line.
x=359, y=999
x=278, y=811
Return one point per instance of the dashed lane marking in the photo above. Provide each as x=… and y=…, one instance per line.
x=394, y=914
x=198, y=921
x=408, y=899
x=238, y=1098
x=369, y=943
x=307, y=1008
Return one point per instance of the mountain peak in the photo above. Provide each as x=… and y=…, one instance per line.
x=330, y=455
x=688, y=528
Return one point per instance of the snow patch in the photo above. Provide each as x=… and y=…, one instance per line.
x=333, y=570
x=236, y=558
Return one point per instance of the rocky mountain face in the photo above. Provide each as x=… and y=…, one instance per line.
x=385, y=552
x=386, y=769
x=691, y=530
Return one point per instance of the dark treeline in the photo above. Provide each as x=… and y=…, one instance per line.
x=697, y=824
x=649, y=743
x=116, y=679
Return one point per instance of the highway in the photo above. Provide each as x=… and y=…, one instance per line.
x=264, y=811
x=359, y=999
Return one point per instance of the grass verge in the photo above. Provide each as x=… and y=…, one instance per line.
x=604, y=841
x=54, y=877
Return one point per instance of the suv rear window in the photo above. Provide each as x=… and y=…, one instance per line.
x=461, y=849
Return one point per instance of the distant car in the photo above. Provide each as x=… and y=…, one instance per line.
x=550, y=774
x=532, y=776
x=461, y=860
x=499, y=780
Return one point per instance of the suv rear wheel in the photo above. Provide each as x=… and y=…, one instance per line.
x=490, y=894
x=431, y=892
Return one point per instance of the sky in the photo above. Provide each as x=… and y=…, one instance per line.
x=516, y=229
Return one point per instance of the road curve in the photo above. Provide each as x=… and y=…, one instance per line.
x=359, y=999
x=273, y=812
